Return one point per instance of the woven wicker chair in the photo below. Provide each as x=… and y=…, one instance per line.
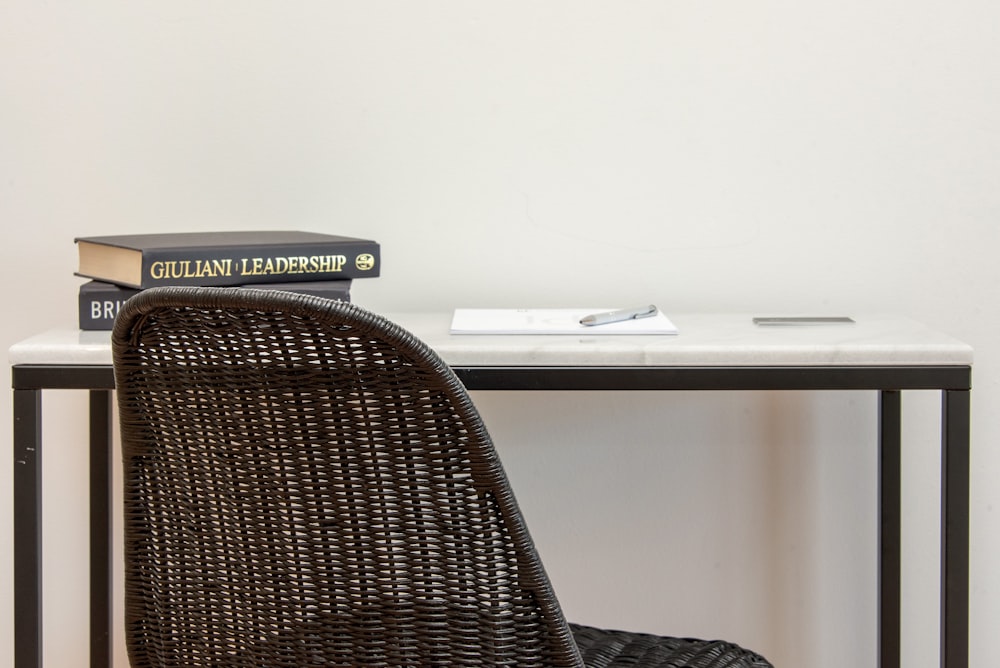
x=307, y=484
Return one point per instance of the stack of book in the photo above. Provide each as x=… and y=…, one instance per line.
x=305, y=262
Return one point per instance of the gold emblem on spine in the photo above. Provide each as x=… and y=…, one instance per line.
x=365, y=261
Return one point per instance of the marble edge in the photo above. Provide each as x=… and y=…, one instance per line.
x=738, y=345
x=63, y=346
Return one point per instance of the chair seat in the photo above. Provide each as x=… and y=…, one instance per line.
x=613, y=649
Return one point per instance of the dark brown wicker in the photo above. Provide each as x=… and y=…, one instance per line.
x=307, y=484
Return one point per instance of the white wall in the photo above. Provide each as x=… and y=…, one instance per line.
x=834, y=157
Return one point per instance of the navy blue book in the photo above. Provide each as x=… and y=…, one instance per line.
x=225, y=258
x=100, y=302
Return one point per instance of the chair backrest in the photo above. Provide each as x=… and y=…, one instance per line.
x=307, y=484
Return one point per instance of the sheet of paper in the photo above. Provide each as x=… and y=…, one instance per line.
x=551, y=321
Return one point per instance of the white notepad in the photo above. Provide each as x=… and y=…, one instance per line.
x=551, y=321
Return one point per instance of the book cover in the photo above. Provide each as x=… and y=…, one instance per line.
x=100, y=301
x=225, y=258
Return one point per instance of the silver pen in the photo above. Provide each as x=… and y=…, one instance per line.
x=618, y=316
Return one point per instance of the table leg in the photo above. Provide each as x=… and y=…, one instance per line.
x=101, y=565
x=27, y=528
x=955, y=529
x=890, y=513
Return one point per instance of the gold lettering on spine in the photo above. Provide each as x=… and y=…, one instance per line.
x=292, y=264
x=219, y=268
x=163, y=270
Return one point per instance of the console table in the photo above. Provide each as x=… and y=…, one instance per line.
x=712, y=352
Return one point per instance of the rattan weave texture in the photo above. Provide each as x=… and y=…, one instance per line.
x=307, y=484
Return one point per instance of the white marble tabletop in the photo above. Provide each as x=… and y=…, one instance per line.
x=704, y=340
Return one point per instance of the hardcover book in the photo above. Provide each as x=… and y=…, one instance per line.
x=225, y=258
x=100, y=301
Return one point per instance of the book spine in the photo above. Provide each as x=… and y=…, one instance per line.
x=256, y=264
x=339, y=290
x=100, y=302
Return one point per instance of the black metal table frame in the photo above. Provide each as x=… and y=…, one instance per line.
x=954, y=382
